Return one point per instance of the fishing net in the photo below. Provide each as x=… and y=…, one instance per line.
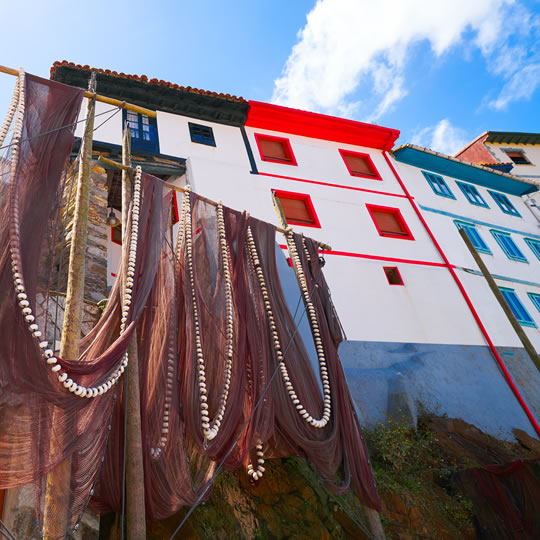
x=224, y=375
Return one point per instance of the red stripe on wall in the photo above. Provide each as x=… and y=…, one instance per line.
x=469, y=303
x=332, y=185
x=378, y=257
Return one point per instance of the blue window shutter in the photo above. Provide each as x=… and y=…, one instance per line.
x=508, y=246
x=504, y=203
x=534, y=245
x=518, y=309
x=143, y=131
x=438, y=185
x=474, y=236
x=472, y=194
x=535, y=299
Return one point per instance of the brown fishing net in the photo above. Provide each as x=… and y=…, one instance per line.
x=197, y=300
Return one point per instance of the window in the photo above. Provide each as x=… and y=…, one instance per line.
x=392, y=275
x=389, y=222
x=201, y=134
x=517, y=156
x=438, y=185
x=508, y=246
x=143, y=130
x=474, y=236
x=535, y=299
x=297, y=208
x=116, y=234
x=472, y=194
x=275, y=149
x=360, y=165
x=518, y=309
x=504, y=203
x=534, y=245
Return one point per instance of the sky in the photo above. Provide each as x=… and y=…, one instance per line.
x=442, y=72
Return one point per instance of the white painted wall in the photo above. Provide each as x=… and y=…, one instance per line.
x=110, y=131
x=532, y=153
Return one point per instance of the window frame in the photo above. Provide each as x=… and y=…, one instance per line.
x=393, y=269
x=210, y=142
x=287, y=146
x=530, y=322
x=498, y=235
x=399, y=216
x=119, y=227
x=436, y=180
x=535, y=299
x=467, y=225
x=138, y=143
x=496, y=196
x=536, y=243
x=509, y=151
x=472, y=194
x=371, y=166
x=278, y=193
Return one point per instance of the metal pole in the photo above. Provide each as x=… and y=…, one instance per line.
x=529, y=347
x=57, y=498
x=135, y=506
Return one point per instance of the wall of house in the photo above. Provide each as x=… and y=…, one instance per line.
x=409, y=347
x=532, y=152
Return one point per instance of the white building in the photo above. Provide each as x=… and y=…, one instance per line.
x=400, y=275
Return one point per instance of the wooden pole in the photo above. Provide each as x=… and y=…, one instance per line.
x=529, y=347
x=112, y=163
x=135, y=506
x=92, y=95
x=57, y=498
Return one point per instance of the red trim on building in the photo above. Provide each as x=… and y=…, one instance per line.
x=319, y=126
x=332, y=185
x=309, y=207
x=175, y=215
x=468, y=301
x=377, y=257
x=291, y=160
x=388, y=270
x=375, y=173
x=397, y=214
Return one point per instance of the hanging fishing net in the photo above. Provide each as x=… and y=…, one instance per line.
x=225, y=378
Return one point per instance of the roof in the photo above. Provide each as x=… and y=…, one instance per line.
x=319, y=126
x=464, y=170
x=512, y=137
x=156, y=93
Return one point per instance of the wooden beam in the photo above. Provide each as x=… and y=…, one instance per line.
x=102, y=99
x=529, y=347
x=57, y=498
x=135, y=505
x=112, y=163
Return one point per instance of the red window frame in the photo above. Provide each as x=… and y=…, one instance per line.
x=388, y=269
x=369, y=162
x=175, y=216
x=397, y=214
x=309, y=207
x=286, y=145
x=112, y=234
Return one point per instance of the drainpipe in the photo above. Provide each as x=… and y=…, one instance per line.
x=466, y=298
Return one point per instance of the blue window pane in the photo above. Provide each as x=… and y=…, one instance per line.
x=472, y=194
x=534, y=245
x=518, y=309
x=508, y=246
x=474, y=236
x=201, y=134
x=535, y=299
x=438, y=185
x=143, y=130
x=504, y=203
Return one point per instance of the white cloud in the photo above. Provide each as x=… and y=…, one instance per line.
x=362, y=45
x=443, y=137
x=522, y=85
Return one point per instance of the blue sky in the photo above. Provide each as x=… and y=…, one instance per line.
x=441, y=72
